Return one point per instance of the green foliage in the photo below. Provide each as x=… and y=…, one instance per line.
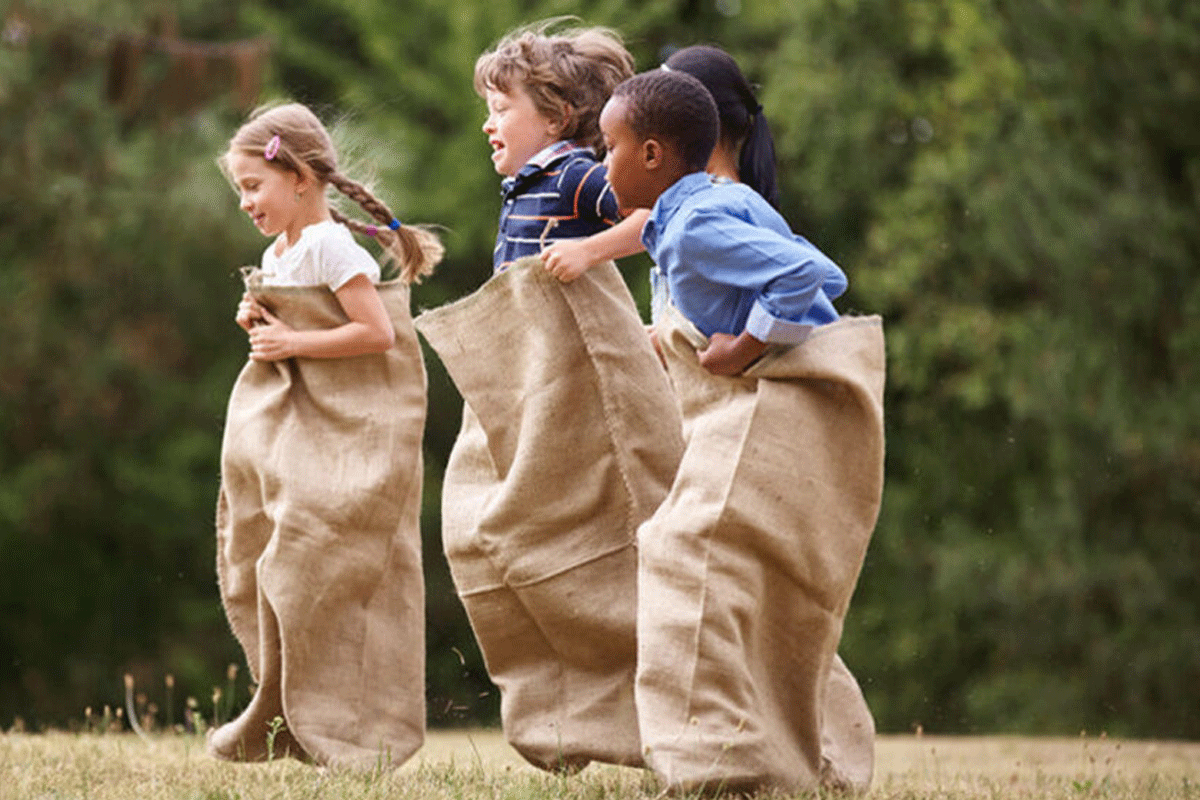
x=1019, y=200
x=117, y=268
x=1013, y=185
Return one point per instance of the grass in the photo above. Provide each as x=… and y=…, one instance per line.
x=478, y=764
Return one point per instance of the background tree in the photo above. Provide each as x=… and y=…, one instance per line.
x=1013, y=185
x=119, y=253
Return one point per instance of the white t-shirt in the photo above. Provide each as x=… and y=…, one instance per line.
x=324, y=255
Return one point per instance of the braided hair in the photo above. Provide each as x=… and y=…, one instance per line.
x=299, y=143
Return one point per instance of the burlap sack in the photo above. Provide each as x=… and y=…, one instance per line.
x=748, y=566
x=318, y=544
x=570, y=438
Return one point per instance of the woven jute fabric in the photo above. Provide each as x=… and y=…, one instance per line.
x=318, y=545
x=570, y=438
x=747, y=568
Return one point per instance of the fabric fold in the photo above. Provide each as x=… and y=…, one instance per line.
x=748, y=566
x=318, y=544
x=570, y=438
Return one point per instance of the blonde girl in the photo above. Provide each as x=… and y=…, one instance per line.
x=318, y=514
x=281, y=162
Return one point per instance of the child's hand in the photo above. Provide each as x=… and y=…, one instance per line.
x=729, y=355
x=271, y=339
x=249, y=312
x=567, y=259
x=653, y=332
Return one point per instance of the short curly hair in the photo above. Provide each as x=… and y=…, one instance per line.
x=675, y=108
x=577, y=67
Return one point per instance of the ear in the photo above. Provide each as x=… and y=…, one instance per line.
x=653, y=155
x=561, y=122
x=302, y=181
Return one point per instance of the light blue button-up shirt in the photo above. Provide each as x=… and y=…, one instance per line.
x=730, y=263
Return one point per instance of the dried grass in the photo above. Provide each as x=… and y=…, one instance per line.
x=478, y=764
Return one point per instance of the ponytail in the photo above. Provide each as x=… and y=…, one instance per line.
x=756, y=161
x=416, y=250
x=742, y=122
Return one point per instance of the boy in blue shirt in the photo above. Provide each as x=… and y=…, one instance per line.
x=747, y=568
x=731, y=261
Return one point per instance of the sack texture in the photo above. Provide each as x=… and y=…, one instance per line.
x=747, y=568
x=570, y=439
x=318, y=544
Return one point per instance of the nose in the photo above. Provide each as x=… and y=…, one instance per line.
x=245, y=204
x=489, y=126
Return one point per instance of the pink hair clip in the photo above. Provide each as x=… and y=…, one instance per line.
x=272, y=148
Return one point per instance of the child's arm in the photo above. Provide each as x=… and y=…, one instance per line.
x=567, y=259
x=368, y=331
x=791, y=283
x=727, y=354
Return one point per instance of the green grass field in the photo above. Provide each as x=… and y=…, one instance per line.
x=478, y=764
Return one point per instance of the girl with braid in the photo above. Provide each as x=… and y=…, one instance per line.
x=318, y=539
x=281, y=162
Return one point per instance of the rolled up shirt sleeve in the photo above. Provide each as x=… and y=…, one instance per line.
x=782, y=285
x=765, y=327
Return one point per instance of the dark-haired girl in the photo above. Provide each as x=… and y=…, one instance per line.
x=745, y=150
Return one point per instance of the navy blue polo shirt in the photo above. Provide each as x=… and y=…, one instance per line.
x=564, y=183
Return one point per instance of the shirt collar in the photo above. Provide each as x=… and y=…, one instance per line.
x=544, y=158
x=670, y=201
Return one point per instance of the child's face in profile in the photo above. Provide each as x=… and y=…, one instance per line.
x=516, y=130
x=628, y=173
x=267, y=193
